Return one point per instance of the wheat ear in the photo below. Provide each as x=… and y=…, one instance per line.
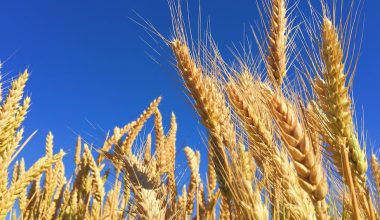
x=193, y=160
x=49, y=182
x=334, y=100
x=170, y=143
x=149, y=205
x=375, y=168
x=78, y=150
x=307, y=162
x=98, y=182
x=260, y=135
x=148, y=149
x=209, y=101
x=114, y=139
x=336, y=103
x=296, y=202
x=15, y=172
x=211, y=175
x=211, y=107
x=277, y=43
x=224, y=209
x=133, y=130
x=23, y=195
x=7, y=158
x=127, y=144
x=263, y=149
x=161, y=151
x=9, y=110
x=14, y=191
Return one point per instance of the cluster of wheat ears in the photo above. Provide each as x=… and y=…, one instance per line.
x=277, y=148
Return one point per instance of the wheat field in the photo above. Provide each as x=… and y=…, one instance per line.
x=279, y=147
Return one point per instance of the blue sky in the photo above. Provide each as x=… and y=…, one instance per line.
x=91, y=70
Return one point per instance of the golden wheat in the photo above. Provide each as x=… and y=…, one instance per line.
x=269, y=144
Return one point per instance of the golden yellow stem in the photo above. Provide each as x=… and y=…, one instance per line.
x=347, y=169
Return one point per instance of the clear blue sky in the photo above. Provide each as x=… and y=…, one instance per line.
x=91, y=68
